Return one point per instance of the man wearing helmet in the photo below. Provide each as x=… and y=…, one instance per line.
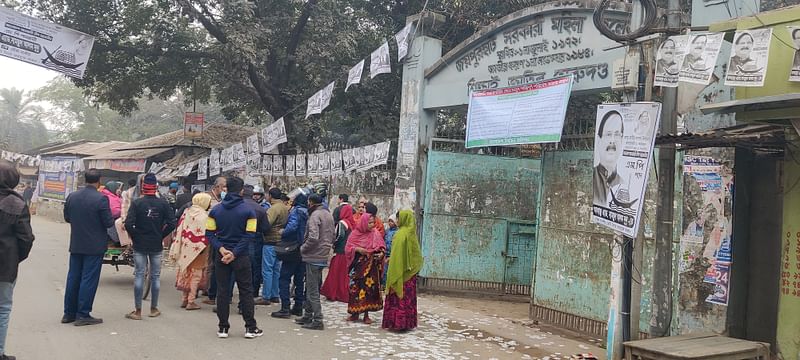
x=258, y=197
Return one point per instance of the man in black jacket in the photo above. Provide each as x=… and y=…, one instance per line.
x=256, y=245
x=89, y=215
x=149, y=220
x=16, y=240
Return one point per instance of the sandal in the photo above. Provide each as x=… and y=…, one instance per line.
x=184, y=304
x=352, y=318
x=367, y=321
x=154, y=313
x=132, y=315
x=192, y=306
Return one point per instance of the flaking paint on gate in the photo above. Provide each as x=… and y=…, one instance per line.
x=470, y=200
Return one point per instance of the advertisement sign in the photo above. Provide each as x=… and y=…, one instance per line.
x=623, y=147
x=44, y=44
x=56, y=185
x=527, y=114
x=193, y=125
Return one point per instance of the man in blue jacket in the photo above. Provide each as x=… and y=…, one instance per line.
x=89, y=215
x=292, y=267
x=230, y=228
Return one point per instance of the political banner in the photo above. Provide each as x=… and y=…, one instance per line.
x=380, y=61
x=44, y=44
x=300, y=165
x=336, y=162
x=354, y=76
x=273, y=135
x=253, y=147
x=365, y=157
x=402, y=42
x=701, y=58
x=320, y=101
x=278, y=167
x=313, y=164
x=382, y=153
x=794, y=33
x=214, y=165
x=624, y=138
x=253, y=164
x=349, y=158
x=266, y=165
x=202, y=168
x=668, y=60
x=325, y=164
x=290, y=165
x=193, y=125
x=749, y=58
x=527, y=114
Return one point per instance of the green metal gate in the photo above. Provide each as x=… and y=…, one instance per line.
x=479, y=223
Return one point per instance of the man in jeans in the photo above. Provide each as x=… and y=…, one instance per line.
x=292, y=269
x=230, y=229
x=255, y=247
x=149, y=220
x=89, y=216
x=277, y=215
x=315, y=250
x=16, y=240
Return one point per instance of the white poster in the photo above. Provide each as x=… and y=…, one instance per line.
x=44, y=44
x=701, y=58
x=313, y=164
x=300, y=165
x=290, y=166
x=527, y=114
x=273, y=135
x=402, y=42
x=234, y=157
x=185, y=169
x=266, y=165
x=380, y=61
x=155, y=167
x=253, y=145
x=319, y=101
x=794, y=32
x=349, y=158
x=623, y=148
x=325, y=164
x=278, y=169
x=253, y=164
x=202, y=168
x=366, y=153
x=336, y=162
x=668, y=59
x=748, y=63
x=214, y=166
x=354, y=76
x=382, y=153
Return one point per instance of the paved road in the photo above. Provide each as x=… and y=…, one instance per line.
x=446, y=331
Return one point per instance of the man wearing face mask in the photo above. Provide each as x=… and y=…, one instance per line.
x=217, y=192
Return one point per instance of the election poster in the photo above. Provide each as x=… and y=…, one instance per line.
x=300, y=165
x=354, y=76
x=701, y=58
x=44, y=44
x=266, y=165
x=278, y=167
x=794, y=33
x=402, y=41
x=336, y=162
x=668, y=60
x=623, y=146
x=253, y=164
x=325, y=164
x=349, y=158
x=313, y=164
x=748, y=63
x=319, y=101
x=253, y=146
x=380, y=61
x=527, y=114
x=382, y=153
x=290, y=166
x=273, y=135
x=367, y=155
x=202, y=168
x=214, y=166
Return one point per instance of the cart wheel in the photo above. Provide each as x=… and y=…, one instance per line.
x=146, y=283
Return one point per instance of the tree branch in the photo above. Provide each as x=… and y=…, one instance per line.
x=208, y=23
x=294, y=42
x=181, y=53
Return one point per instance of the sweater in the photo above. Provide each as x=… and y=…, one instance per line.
x=149, y=220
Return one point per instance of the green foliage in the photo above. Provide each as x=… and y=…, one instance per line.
x=21, y=126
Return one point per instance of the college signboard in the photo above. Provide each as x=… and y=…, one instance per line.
x=43, y=43
x=527, y=114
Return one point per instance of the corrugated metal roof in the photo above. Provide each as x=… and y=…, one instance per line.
x=128, y=154
x=761, y=137
x=215, y=136
x=87, y=149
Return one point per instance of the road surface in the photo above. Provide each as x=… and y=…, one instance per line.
x=449, y=328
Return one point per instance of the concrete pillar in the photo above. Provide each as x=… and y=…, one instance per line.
x=417, y=125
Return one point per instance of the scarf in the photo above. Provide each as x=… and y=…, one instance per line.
x=9, y=176
x=406, y=260
x=192, y=231
x=363, y=237
x=346, y=215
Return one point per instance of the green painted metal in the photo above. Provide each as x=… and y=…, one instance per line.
x=479, y=222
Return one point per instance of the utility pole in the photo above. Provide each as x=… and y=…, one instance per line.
x=662, y=265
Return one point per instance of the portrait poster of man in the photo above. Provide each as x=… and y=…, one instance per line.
x=350, y=163
x=701, y=58
x=336, y=162
x=354, y=75
x=239, y=157
x=668, y=59
x=748, y=63
x=622, y=163
x=313, y=164
x=266, y=165
x=325, y=164
x=253, y=164
x=380, y=61
x=300, y=165
x=273, y=135
x=278, y=169
x=794, y=34
x=252, y=145
x=202, y=168
x=227, y=159
x=214, y=166
x=367, y=156
x=382, y=153
x=290, y=167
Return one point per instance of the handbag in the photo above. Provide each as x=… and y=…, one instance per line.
x=287, y=251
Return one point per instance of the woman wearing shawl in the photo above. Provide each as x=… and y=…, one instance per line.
x=364, y=251
x=400, y=313
x=337, y=282
x=191, y=252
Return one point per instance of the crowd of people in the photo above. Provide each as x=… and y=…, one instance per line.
x=271, y=245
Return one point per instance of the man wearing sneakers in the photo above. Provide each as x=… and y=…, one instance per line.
x=315, y=251
x=230, y=229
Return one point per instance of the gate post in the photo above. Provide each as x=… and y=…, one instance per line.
x=417, y=126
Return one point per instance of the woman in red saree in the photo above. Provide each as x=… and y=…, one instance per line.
x=337, y=282
x=364, y=251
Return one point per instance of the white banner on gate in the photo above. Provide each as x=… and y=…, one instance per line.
x=381, y=62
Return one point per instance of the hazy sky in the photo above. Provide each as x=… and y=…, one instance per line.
x=22, y=75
